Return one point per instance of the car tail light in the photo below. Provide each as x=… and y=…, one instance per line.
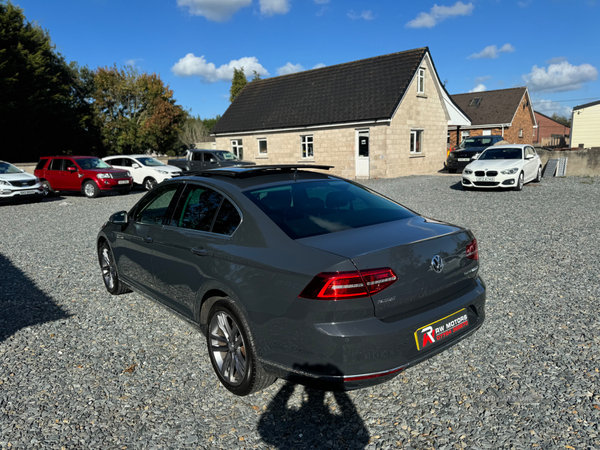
x=472, y=250
x=345, y=285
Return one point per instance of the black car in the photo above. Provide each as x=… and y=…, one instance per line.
x=297, y=274
x=468, y=151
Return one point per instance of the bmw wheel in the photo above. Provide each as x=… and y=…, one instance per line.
x=538, y=178
x=520, y=183
x=149, y=183
x=231, y=350
x=109, y=271
x=90, y=190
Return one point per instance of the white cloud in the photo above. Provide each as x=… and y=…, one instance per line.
x=548, y=107
x=479, y=88
x=133, y=61
x=556, y=60
x=323, y=10
x=191, y=65
x=290, y=68
x=272, y=7
x=560, y=77
x=366, y=15
x=491, y=51
x=217, y=10
x=319, y=66
x=440, y=13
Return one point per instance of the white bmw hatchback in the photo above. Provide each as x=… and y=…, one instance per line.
x=145, y=170
x=503, y=166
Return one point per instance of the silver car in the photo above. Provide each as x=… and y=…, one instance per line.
x=16, y=184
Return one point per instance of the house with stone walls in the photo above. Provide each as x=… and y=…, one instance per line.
x=502, y=112
x=379, y=117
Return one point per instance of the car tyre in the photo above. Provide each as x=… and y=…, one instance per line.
x=538, y=178
x=48, y=191
x=90, y=190
x=149, y=183
x=109, y=271
x=519, y=186
x=232, y=351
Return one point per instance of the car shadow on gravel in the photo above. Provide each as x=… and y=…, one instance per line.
x=319, y=422
x=22, y=304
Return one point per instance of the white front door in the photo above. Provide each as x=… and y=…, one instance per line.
x=362, y=153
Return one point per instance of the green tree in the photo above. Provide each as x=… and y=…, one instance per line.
x=136, y=112
x=210, y=123
x=566, y=121
x=192, y=131
x=237, y=83
x=43, y=104
x=256, y=76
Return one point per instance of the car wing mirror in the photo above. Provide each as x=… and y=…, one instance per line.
x=136, y=166
x=213, y=161
x=529, y=157
x=72, y=169
x=119, y=218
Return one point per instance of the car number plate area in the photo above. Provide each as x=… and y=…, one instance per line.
x=464, y=159
x=27, y=192
x=485, y=179
x=123, y=182
x=441, y=330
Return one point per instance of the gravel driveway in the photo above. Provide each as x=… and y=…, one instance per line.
x=82, y=369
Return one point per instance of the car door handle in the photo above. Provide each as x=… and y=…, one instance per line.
x=199, y=251
x=148, y=239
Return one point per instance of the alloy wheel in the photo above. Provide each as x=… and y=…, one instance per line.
x=228, y=348
x=108, y=268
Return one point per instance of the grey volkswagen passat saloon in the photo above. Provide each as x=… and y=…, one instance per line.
x=297, y=274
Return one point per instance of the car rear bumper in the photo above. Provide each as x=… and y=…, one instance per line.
x=361, y=353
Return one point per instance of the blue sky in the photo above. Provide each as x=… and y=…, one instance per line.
x=551, y=46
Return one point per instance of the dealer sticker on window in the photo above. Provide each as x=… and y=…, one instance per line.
x=442, y=329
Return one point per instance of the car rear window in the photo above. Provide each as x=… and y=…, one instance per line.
x=321, y=207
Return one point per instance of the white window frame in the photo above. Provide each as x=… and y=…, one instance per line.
x=261, y=153
x=237, y=148
x=521, y=132
x=421, y=81
x=418, y=137
x=307, y=146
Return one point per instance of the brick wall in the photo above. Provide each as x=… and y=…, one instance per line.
x=389, y=143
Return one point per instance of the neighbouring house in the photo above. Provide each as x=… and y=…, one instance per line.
x=585, y=126
x=549, y=132
x=375, y=118
x=503, y=112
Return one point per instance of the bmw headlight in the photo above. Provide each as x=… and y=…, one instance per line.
x=510, y=171
x=162, y=172
x=468, y=172
x=105, y=175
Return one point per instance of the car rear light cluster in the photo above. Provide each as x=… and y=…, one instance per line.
x=472, y=250
x=346, y=285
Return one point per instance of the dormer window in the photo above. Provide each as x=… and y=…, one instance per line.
x=475, y=102
x=421, y=81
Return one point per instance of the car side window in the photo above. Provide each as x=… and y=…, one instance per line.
x=41, y=164
x=154, y=207
x=115, y=161
x=197, y=156
x=56, y=164
x=197, y=208
x=69, y=163
x=228, y=219
x=208, y=157
x=127, y=162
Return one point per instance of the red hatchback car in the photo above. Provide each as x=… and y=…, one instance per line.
x=86, y=174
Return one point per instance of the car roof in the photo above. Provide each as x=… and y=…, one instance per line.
x=511, y=146
x=127, y=156
x=68, y=156
x=244, y=177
